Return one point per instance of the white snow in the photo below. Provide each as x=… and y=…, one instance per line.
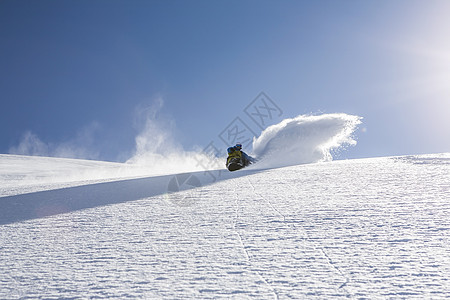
x=23, y=174
x=304, y=139
x=368, y=228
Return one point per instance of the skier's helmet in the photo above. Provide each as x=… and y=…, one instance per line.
x=238, y=146
x=230, y=150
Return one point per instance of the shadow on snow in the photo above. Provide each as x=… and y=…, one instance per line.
x=42, y=204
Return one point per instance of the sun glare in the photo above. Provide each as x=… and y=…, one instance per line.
x=421, y=47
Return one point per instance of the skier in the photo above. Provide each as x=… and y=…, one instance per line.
x=237, y=159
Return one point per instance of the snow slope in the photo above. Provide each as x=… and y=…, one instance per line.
x=22, y=174
x=369, y=228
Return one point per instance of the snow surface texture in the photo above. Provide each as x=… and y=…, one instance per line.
x=369, y=228
x=304, y=139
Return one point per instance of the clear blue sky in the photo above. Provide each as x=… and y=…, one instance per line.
x=71, y=67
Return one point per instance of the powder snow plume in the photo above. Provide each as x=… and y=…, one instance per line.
x=304, y=139
x=157, y=151
x=300, y=140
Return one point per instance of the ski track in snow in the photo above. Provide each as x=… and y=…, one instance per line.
x=371, y=228
x=322, y=251
x=247, y=256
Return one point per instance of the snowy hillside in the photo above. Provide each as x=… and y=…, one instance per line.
x=369, y=228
